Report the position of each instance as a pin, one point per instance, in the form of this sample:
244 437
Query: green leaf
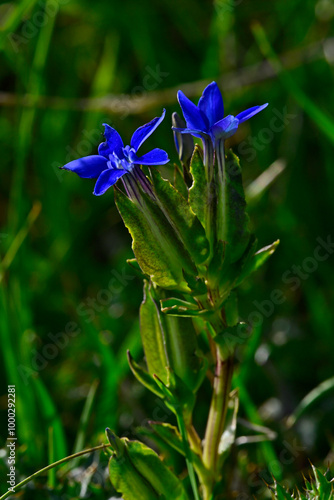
157 249
319 488
153 336
182 349
183 220
181 311
173 302
170 434
324 487
170 344
144 377
137 472
197 285
179 182
231 219
281 494
136 267
253 263
198 187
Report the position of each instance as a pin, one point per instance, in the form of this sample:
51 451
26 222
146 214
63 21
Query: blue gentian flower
114 160
207 119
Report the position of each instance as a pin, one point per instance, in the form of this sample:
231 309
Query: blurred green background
67 67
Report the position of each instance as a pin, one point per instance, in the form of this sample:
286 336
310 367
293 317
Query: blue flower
207 119
114 160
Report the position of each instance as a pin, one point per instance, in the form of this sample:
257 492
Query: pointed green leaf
183 220
182 349
170 434
197 285
170 344
198 188
144 377
173 302
136 267
258 259
324 487
153 336
231 219
313 397
159 252
179 182
138 473
182 312
281 494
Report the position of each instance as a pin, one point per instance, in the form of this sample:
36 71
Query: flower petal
143 132
107 179
224 128
195 133
155 157
211 103
192 114
113 143
248 113
89 167
184 143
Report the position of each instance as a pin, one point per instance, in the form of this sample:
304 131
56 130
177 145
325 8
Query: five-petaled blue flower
207 119
114 160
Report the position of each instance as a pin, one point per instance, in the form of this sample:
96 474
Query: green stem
191 471
209 215
51 466
221 219
217 414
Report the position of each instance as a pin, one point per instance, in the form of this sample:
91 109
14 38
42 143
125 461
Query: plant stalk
217 416
51 466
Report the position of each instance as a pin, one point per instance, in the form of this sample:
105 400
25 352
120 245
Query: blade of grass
321 119
25 127
264 181
84 420
19 239
249 353
312 398
15 18
25 410
51 457
270 458
51 466
51 417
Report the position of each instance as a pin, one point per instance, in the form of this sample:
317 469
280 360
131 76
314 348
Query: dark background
67 67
